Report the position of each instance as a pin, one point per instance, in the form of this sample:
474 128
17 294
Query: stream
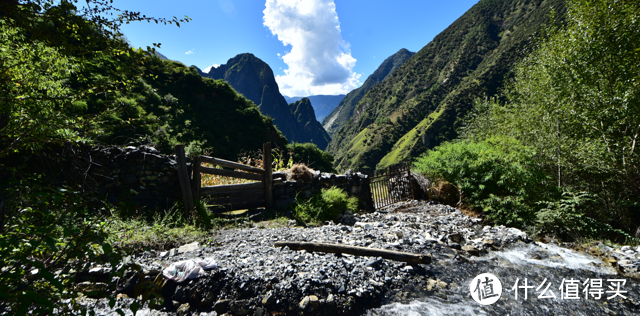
535 262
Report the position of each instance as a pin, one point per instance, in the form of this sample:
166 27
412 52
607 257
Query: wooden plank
231 173
197 180
268 177
356 251
231 187
231 164
238 206
251 192
183 177
413 195
237 199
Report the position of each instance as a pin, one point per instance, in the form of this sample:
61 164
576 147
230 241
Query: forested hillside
424 101
303 113
343 112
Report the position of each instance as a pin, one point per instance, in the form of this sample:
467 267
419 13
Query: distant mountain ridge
306 117
322 104
342 113
254 79
424 101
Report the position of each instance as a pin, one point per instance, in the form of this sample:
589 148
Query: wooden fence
232 196
391 185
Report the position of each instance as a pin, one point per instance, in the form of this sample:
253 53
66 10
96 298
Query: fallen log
356 251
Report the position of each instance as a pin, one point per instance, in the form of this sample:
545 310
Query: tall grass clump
330 204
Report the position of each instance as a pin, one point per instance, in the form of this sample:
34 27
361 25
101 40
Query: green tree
575 99
53 55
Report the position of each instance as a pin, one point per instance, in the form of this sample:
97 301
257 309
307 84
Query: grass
171 229
163 232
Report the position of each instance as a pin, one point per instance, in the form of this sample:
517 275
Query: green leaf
51 278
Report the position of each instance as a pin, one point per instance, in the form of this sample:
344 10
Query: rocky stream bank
254 278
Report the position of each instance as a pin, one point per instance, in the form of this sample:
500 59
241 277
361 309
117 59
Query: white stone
189 247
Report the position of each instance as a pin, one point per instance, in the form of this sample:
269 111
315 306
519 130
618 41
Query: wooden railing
232 196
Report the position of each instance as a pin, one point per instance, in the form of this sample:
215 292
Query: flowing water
535 262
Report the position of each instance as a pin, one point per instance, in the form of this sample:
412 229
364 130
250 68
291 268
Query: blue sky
333 45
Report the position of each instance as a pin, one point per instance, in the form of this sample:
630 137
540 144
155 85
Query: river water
535 262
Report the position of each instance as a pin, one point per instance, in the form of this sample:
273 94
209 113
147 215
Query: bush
568 218
46 234
498 176
330 204
312 156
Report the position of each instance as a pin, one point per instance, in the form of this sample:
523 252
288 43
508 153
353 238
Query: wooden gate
233 196
391 185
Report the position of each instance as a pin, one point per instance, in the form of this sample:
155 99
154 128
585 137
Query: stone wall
284 192
140 177
143 178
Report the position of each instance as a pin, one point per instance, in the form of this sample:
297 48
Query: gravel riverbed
254 278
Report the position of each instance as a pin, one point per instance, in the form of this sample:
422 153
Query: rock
331 300
183 310
259 311
471 250
221 306
304 303
314 301
430 284
194 246
239 307
92 289
456 237
268 298
207 300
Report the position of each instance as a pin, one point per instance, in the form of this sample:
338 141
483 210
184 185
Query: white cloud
206 70
320 61
190 52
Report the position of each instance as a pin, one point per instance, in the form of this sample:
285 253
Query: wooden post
183 176
197 181
268 177
413 195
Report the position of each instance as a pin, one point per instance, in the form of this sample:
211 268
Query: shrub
498 176
312 156
330 204
568 218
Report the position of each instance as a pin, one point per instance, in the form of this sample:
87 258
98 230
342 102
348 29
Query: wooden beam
232 174
237 199
183 176
237 206
197 181
243 192
268 177
356 251
231 187
231 164
413 195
